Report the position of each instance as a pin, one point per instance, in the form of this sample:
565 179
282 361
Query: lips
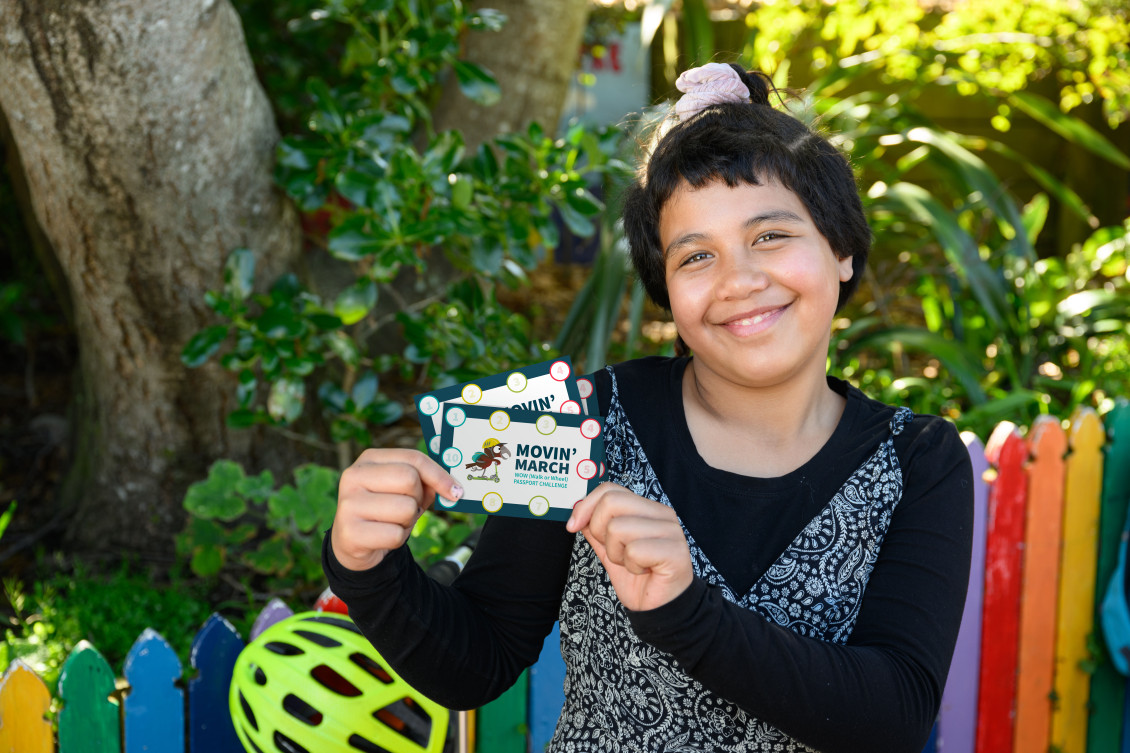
753 322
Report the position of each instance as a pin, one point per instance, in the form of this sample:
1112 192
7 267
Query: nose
741 275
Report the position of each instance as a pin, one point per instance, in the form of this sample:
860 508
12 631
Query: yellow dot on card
546 424
539 506
499 420
472 394
516 381
492 501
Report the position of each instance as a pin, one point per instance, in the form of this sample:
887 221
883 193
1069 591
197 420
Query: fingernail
456 491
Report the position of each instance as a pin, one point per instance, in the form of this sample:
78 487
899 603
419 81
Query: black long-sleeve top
464 645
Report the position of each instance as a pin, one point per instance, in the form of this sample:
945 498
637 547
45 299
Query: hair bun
757 82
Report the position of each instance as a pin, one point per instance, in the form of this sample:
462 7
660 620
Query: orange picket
1047 444
1075 620
24 702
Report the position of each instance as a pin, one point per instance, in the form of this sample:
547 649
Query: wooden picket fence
1050 505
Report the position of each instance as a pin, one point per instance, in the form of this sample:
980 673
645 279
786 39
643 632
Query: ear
847 271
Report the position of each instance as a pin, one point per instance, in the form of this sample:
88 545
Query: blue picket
547 691
154 707
213 654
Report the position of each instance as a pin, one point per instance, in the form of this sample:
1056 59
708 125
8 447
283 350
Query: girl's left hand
639 541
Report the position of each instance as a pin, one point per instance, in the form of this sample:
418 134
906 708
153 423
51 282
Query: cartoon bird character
491 457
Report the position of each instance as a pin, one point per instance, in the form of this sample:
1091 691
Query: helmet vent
248 712
286 745
336 622
260 678
360 743
285 649
330 679
247 739
301 710
407 719
322 640
369 665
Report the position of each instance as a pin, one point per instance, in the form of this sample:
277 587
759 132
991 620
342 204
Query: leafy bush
47 621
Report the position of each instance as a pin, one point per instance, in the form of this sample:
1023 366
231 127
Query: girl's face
753 284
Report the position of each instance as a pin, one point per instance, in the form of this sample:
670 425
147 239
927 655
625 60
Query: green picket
88 721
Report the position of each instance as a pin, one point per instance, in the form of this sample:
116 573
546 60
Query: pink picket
89 721
154 706
1001 611
957 719
214 650
24 702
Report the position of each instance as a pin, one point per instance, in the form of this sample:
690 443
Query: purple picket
957 720
214 650
275 611
154 706
89 721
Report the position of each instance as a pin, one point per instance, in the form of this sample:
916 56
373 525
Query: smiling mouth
754 320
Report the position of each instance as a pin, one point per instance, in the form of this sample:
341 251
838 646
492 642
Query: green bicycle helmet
312 683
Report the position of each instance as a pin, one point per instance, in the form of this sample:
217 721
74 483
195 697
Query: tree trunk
148 147
533 58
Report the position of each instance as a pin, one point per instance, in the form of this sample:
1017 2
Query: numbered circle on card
472 394
492 501
602 470
452 457
560 371
429 405
456 416
546 424
499 420
586 469
590 429
584 386
570 406
433 444
516 381
539 506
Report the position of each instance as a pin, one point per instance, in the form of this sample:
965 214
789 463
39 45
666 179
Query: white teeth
755 320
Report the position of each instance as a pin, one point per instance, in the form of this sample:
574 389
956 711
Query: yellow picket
1075 621
24 702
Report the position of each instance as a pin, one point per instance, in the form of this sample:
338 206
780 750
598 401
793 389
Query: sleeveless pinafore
621 694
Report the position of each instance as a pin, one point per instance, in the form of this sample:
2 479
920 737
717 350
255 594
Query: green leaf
958 361
239 274
288 395
477 84
1035 215
578 224
6 518
202 345
355 302
1069 127
271 558
258 487
318 486
365 390
352 240
207 562
217 496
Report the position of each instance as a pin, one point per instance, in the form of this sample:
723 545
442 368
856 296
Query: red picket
154 706
89 721
1001 612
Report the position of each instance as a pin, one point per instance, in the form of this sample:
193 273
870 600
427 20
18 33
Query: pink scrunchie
707 85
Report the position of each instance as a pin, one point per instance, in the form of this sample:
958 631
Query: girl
777 562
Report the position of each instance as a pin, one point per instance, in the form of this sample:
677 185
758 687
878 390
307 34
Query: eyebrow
773 215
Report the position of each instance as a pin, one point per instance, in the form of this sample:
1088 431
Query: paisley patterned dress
622 694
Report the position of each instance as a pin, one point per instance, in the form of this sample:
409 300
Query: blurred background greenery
991 150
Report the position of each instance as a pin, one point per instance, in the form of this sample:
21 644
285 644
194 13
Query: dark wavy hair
746 143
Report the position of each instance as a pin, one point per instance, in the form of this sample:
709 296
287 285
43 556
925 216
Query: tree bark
533 59
148 147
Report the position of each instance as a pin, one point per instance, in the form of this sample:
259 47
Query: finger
364 544
583 510
622 532
398 509
618 503
430 473
655 556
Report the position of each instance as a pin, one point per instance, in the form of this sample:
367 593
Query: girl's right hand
380 497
